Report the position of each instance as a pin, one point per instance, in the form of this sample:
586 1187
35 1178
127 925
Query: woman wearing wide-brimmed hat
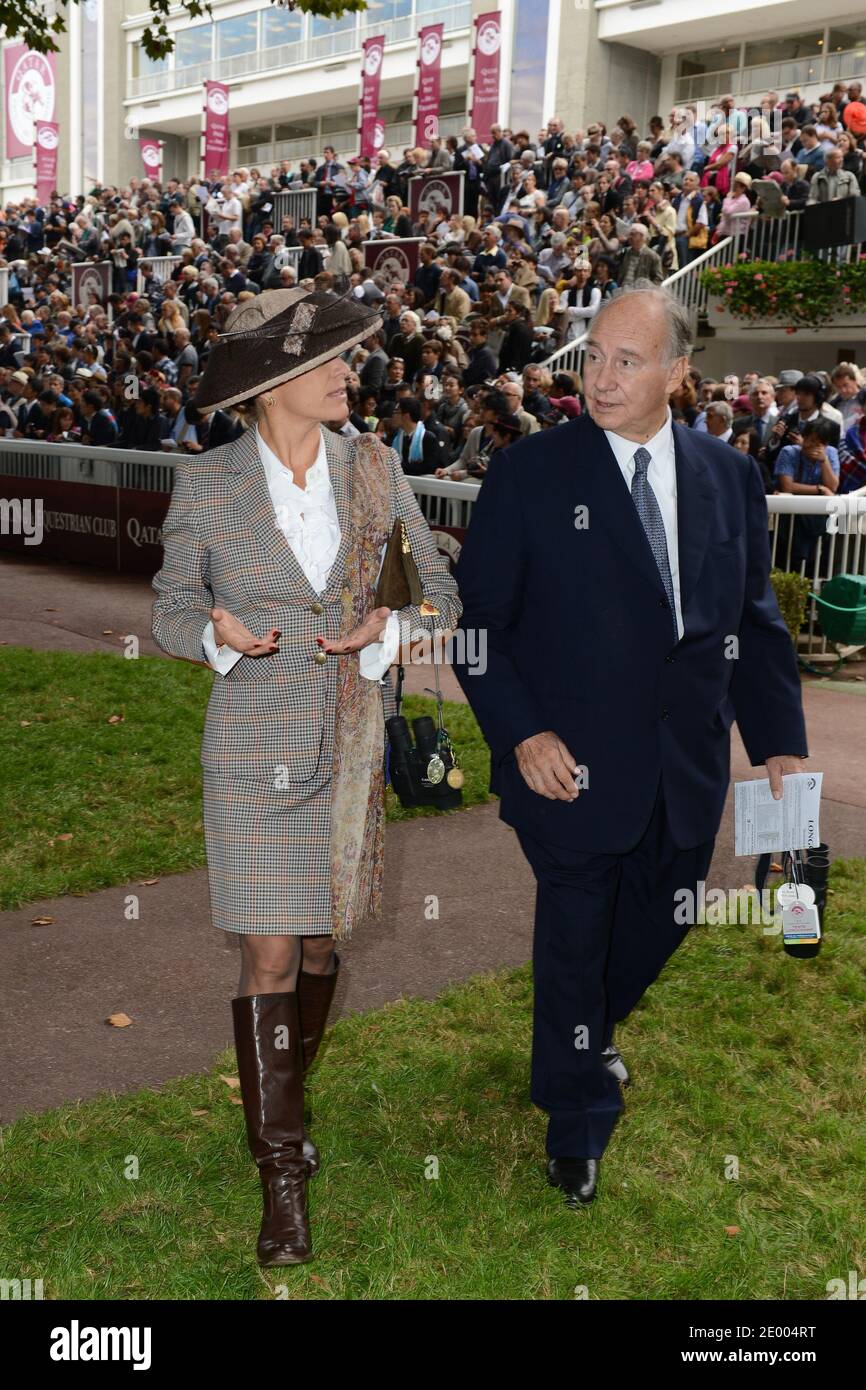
273 546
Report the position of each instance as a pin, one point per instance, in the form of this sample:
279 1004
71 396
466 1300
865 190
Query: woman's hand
370 630
230 630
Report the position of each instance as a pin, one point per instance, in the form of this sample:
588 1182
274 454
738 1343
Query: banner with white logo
31 95
436 192
484 104
371 130
428 80
215 131
91 279
396 258
151 157
45 153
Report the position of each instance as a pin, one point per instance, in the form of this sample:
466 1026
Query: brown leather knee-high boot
315 994
271 1072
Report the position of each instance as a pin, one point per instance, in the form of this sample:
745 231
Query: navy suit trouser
604 929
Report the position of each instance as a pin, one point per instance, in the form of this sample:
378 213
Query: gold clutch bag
399 582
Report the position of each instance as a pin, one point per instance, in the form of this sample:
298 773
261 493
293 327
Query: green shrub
792 593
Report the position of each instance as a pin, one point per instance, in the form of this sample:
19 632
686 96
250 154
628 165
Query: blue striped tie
651 519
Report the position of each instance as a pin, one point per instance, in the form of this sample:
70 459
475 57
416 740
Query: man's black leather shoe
612 1059
577 1177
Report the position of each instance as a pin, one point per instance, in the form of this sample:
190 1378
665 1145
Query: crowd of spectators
551 227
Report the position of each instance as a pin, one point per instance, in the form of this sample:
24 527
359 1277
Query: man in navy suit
617 569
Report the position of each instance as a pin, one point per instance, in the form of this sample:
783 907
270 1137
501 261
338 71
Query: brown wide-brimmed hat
279 335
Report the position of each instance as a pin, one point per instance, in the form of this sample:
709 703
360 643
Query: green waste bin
842 609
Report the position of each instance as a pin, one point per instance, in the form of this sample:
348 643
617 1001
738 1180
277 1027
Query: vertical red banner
429 81
215 153
45 155
371 130
151 157
486 49
30 95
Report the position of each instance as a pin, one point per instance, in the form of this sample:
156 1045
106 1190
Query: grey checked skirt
269 856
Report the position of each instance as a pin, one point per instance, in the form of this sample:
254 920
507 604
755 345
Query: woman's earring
270 400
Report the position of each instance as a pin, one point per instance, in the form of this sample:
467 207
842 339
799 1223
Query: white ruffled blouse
308 519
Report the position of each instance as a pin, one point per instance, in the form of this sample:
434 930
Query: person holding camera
273 550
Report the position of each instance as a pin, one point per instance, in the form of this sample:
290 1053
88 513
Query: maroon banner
91 277
436 191
88 523
151 157
394 257
427 90
487 43
215 134
31 94
371 130
45 155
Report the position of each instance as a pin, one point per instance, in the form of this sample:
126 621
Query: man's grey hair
722 409
677 320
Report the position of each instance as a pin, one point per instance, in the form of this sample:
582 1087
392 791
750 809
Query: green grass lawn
86 803
737 1051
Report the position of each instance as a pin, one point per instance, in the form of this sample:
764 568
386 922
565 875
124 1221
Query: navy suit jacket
579 636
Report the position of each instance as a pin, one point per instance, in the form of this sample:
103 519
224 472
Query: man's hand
230 630
777 767
547 766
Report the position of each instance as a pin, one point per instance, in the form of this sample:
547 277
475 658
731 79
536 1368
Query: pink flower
729 291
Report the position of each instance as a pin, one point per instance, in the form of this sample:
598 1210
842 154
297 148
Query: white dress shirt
308 519
662 478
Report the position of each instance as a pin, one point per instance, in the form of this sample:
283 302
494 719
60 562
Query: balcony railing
814 70
344 141
340 43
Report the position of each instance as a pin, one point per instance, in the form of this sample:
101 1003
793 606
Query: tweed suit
269 730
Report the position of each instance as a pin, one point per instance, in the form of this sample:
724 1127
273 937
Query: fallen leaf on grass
732 1230
41 921
230 1080
119 1020
25 723
236 1100
67 835
200 1112
116 718
147 882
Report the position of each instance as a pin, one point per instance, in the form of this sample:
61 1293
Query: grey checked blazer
224 549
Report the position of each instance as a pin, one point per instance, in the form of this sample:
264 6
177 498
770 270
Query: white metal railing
335 44
751 81
448 503
294 202
685 284
162 269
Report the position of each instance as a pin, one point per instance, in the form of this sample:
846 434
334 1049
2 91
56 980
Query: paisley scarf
358 781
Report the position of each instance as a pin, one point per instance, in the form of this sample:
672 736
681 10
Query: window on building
385 10
142 66
295 130
785 48
254 135
193 46
339 121
323 25
281 26
850 39
238 35
708 60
